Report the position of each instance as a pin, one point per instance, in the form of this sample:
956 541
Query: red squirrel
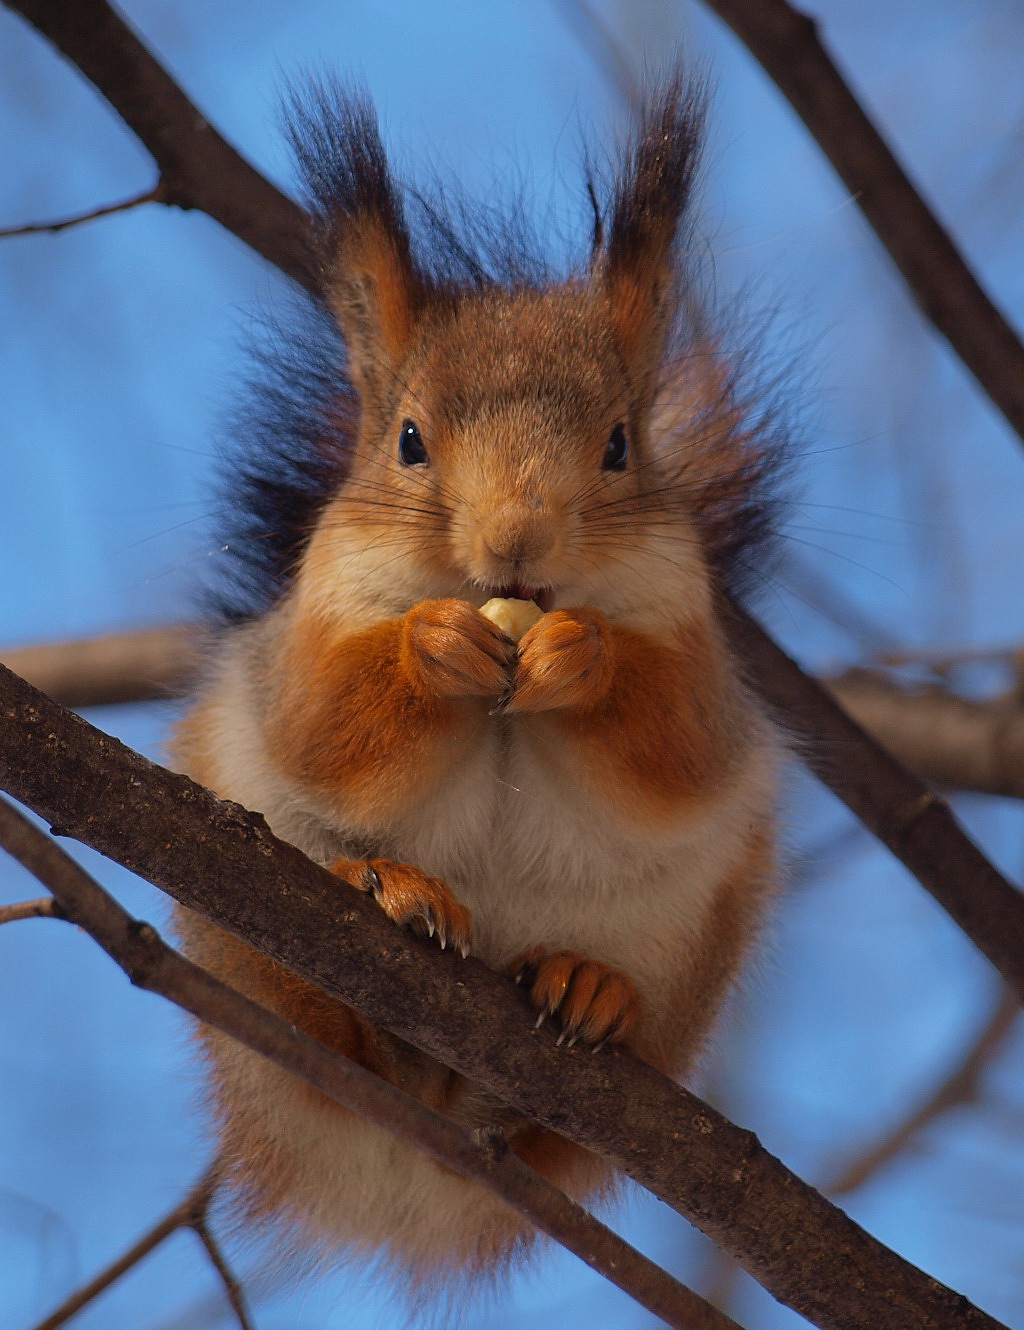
589 809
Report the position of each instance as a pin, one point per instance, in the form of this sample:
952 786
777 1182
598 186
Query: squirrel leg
594 1002
409 897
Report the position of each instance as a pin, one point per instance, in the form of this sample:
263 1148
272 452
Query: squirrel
590 809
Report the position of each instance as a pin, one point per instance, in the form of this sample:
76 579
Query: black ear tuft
370 279
650 200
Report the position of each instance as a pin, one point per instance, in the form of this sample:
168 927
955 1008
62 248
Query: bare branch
215 857
183 1215
911 819
198 168
232 1288
152 965
153 195
960 1087
122 667
37 909
949 740
786 43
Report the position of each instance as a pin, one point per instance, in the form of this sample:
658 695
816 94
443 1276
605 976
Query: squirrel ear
637 268
370 281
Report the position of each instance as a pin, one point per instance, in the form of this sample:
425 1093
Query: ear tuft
638 266
370 280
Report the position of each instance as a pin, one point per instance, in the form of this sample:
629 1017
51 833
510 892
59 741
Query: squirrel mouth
543 597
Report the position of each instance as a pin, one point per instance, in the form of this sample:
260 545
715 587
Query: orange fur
596 801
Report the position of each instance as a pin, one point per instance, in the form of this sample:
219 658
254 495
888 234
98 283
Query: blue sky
121 355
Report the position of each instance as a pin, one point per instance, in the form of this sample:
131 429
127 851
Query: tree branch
38 909
215 857
138 666
786 43
155 194
198 168
952 742
182 1215
911 819
152 965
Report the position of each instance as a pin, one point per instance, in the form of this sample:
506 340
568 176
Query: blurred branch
593 33
960 1087
138 666
786 43
152 195
223 861
949 740
37 909
482 1157
198 168
189 1213
912 820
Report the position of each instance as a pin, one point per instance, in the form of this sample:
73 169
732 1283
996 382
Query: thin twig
232 1288
215 857
198 167
960 1087
153 195
152 965
42 908
183 1215
786 43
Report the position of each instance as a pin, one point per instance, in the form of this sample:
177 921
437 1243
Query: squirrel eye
411 451
617 451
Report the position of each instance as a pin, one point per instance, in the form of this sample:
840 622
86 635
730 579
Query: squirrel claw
594 1003
410 897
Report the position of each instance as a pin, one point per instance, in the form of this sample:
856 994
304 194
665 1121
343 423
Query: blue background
121 351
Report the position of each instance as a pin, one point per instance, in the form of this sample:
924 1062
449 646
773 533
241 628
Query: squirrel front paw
409 897
453 651
592 1001
564 661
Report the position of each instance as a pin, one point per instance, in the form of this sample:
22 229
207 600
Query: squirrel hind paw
594 1003
411 898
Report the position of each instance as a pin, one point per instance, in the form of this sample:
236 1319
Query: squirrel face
509 457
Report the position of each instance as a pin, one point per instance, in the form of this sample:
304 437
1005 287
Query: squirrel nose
519 533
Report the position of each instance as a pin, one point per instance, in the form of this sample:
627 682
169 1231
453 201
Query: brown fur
595 802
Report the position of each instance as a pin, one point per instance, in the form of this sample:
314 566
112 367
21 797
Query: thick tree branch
904 813
152 965
198 168
785 41
215 857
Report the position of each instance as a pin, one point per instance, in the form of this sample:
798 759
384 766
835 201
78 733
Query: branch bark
152 965
785 42
215 857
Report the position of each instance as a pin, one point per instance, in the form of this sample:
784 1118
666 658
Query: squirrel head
503 433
